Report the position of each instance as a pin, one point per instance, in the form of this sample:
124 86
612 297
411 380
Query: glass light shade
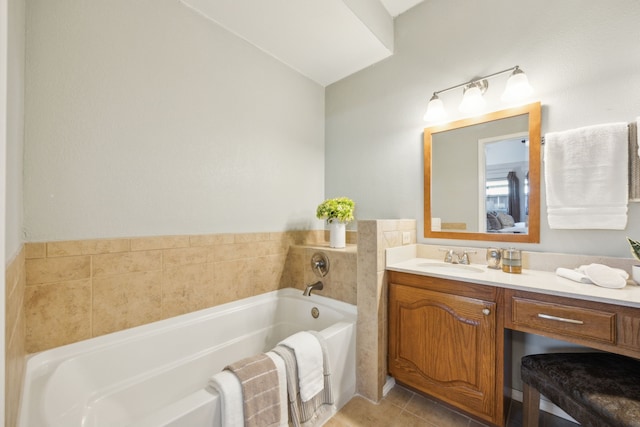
518 87
472 100
435 110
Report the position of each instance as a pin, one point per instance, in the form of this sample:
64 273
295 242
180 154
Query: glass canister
512 261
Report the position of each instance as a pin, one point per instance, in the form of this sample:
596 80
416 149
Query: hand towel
282 387
260 394
621 272
586 176
604 276
309 363
227 386
574 275
580 275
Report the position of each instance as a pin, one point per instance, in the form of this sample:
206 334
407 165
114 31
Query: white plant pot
337 234
635 273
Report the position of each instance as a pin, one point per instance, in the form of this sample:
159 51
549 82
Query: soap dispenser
493 258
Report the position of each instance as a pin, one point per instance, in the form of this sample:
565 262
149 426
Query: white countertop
545 282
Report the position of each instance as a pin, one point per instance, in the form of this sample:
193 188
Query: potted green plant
635 251
337 212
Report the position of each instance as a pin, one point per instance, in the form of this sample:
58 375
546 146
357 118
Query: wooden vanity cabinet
446 340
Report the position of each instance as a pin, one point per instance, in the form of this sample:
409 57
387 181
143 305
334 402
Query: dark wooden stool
596 389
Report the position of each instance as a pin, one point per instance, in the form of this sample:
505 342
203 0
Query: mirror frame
533 236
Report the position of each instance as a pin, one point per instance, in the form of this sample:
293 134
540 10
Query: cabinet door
444 345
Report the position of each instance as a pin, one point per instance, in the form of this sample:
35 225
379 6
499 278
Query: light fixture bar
472 100
476 80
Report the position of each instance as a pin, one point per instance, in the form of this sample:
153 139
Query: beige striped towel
260 390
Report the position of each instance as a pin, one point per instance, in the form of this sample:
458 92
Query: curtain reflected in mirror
514 196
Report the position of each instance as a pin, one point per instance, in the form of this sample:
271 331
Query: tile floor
403 407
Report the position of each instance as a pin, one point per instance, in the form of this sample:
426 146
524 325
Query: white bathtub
155 375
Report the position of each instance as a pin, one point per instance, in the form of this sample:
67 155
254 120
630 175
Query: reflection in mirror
503 168
482 177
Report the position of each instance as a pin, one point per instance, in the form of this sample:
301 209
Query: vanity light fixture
518 86
472 101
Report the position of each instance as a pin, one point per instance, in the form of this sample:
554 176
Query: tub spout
316 286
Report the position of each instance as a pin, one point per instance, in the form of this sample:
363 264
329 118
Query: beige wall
144 118
374 237
81 289
15 332
340 281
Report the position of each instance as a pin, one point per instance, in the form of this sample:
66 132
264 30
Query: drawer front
565 320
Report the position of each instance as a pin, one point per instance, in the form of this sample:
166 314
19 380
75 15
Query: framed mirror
482 177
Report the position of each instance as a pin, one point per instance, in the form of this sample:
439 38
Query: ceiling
325 40
396 7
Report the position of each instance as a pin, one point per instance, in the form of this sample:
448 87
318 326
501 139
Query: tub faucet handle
320 264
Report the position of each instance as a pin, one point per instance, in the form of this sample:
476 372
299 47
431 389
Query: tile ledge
350 248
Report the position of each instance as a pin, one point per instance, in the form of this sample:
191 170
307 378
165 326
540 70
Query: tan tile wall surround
374 236
81 289
15 331
340 282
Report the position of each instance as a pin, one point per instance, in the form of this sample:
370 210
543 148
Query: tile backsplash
76 290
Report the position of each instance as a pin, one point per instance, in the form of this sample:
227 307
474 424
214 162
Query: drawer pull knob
560 319
486 311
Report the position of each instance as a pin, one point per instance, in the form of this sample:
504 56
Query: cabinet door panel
444 345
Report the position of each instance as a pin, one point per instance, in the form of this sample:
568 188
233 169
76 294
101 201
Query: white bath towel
309 413
586 174
634 162
228 387
308 354
282 383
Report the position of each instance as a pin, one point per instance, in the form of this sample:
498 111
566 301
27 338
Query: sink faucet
315 286
448 257
454 257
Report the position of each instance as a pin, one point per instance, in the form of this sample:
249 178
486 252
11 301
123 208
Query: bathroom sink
452 268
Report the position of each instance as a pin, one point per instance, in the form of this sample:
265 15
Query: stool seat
596 389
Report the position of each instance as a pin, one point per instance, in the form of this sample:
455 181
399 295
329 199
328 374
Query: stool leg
530 406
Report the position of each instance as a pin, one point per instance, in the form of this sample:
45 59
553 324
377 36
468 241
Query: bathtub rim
159 326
